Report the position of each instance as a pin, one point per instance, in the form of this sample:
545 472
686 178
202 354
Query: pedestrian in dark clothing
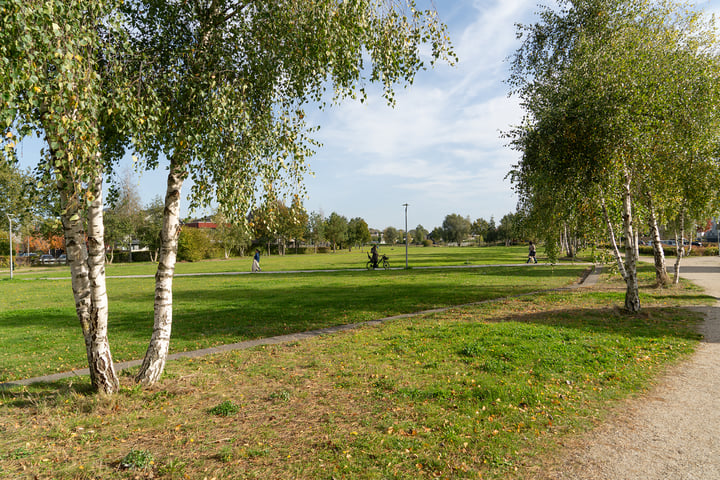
531 253
256 261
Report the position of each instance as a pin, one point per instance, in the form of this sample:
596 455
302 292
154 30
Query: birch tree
60 80
606 88
233 78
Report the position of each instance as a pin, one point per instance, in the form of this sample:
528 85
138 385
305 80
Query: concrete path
673 432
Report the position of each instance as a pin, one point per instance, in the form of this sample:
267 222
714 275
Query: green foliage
193 245
149 230
456 228
390 235
358 232
137 460
225 409
335 229
618 130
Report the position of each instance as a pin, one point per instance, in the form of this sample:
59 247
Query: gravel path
673 432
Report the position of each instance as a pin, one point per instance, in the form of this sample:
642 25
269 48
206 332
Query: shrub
193 245
427 243
710 251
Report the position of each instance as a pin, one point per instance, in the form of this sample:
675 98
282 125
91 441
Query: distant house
711 231
201 224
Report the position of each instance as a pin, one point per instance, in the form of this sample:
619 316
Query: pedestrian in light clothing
531 253
256 261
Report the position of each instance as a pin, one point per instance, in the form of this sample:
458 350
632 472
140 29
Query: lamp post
406 237
11 245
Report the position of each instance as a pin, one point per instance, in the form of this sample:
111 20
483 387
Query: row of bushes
670 251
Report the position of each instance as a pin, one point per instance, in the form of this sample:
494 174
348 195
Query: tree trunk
87 266
611 232
679 248
156 355
632 293
661 276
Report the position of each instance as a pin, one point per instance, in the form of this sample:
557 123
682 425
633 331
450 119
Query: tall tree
391 235
316 228
124 216
420 234
149 231
456 228
62 76
18 200
233 77
437 235
607 94
358 232
509 228
480 228
335 228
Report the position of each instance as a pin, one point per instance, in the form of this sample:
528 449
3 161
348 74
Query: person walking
531 253
256 262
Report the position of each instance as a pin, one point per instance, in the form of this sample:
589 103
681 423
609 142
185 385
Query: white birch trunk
661 276
632 292
679 248
87 267
156 355
611 232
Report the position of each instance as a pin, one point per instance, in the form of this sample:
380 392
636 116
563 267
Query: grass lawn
484 391
481 391
40 334
342 259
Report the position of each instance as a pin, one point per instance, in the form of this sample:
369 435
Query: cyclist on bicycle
374 251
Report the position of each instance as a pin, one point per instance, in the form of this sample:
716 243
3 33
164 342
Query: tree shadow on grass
42 394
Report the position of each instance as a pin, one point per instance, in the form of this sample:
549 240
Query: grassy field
417 257
40 334
482 391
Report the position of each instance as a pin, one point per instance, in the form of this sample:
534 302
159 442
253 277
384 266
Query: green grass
342 259
484 391
40 334
488 390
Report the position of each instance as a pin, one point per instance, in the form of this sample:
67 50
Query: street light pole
406 237
11 246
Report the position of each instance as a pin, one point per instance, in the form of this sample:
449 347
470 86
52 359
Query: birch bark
87 267
661 276
632 294
156 354
611 232
679 248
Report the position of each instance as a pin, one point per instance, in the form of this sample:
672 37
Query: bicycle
383 261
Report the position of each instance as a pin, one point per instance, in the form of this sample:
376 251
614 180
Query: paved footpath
673 431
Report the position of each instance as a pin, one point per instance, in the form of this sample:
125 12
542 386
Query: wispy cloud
442 140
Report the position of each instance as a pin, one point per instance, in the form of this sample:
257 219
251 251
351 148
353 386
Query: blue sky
439 150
